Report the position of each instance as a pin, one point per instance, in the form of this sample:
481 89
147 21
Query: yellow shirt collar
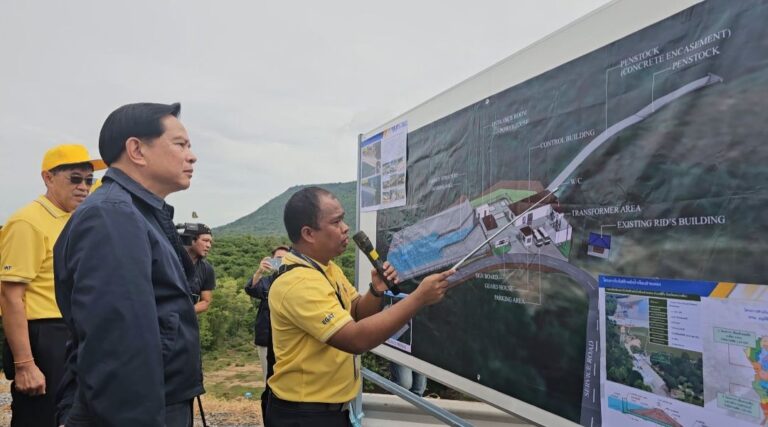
298 260
50 207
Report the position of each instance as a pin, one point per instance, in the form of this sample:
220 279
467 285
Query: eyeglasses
77 180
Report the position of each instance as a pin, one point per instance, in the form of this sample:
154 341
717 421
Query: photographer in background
258 287
198 239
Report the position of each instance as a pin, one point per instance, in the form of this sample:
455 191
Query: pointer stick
474 251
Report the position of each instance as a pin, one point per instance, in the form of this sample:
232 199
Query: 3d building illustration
446 237
599 245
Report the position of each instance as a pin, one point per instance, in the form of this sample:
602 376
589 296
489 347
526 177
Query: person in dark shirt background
258 287
198 239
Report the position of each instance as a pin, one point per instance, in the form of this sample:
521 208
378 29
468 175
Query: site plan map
645 158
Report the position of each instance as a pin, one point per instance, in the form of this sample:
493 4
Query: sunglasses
77 180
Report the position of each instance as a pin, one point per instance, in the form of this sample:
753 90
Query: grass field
232 374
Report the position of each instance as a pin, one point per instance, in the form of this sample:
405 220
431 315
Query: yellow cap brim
98 164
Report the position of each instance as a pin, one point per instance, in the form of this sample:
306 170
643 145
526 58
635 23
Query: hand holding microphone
379 281
387 273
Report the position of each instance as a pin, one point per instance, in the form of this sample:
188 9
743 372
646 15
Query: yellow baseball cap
68 154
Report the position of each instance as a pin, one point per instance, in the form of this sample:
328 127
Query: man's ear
308 234
133 151
47 178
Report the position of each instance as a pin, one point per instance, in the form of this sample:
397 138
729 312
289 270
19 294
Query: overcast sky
273 94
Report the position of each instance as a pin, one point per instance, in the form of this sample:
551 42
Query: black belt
306 406
52 321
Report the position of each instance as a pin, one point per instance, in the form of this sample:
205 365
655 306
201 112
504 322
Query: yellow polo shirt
26 254
305 312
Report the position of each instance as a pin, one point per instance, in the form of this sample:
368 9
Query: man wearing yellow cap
34 351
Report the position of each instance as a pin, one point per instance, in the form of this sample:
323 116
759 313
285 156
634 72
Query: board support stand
415 400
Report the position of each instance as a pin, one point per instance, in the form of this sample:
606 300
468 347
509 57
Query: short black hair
195 237
190 231
142 120
280 248
303 209
71 166
196 230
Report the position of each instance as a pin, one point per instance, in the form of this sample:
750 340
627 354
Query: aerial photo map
646 158
684 353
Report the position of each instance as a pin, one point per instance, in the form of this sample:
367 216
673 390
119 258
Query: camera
275 263
189 230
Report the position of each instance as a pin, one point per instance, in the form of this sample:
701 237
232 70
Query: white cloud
273 94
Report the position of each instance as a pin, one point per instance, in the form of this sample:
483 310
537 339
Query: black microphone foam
366 247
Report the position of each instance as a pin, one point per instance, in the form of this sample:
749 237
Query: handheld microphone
364 244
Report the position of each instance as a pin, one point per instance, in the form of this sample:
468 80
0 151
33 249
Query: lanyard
318 268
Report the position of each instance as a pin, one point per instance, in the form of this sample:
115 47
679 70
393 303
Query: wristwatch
377 294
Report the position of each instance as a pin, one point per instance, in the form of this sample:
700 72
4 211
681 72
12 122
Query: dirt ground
227 383
5 401
238 412
221 407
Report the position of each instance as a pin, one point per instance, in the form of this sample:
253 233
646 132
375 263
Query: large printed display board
644 158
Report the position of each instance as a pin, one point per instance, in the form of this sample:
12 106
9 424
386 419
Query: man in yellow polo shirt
34 350
320 322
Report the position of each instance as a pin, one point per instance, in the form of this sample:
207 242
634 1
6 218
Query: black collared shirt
204 278
260 290
122 287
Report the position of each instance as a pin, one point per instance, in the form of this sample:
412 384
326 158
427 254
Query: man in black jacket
258 287
122 282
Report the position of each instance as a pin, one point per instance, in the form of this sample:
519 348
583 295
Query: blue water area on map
622 406
425 250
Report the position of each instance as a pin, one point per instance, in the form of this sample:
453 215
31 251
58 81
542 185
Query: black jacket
121 285
260 290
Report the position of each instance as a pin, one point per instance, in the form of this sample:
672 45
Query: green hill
268 219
